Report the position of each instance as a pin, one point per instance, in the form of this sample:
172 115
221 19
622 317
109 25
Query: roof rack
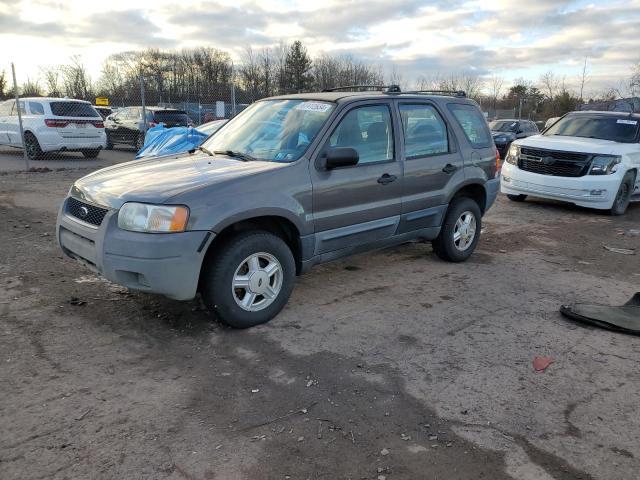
453 93
395 89
365 88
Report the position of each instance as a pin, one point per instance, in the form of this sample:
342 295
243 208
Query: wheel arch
474 190
275 224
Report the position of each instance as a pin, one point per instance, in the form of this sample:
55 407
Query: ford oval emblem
84 211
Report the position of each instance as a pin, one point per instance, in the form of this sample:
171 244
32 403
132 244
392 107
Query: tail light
98 124
498 163
152 124
53 123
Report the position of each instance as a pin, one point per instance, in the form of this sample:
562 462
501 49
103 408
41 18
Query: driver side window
369 131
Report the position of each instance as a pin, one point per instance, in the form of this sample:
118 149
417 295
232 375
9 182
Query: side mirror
341 157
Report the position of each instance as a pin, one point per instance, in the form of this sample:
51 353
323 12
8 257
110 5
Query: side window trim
450 141
338 120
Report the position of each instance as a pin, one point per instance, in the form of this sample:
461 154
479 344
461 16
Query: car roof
605 114
509 120
52 99
342 96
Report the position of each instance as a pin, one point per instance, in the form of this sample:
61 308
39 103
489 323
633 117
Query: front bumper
168 264
592 191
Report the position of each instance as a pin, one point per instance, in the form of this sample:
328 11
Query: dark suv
506 131
291 182
127 127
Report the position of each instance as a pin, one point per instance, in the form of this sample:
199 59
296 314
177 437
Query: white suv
591 159
52 125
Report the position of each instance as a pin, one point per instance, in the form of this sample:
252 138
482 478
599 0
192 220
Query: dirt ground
389 365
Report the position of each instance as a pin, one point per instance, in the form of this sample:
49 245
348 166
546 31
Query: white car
591 159
52 125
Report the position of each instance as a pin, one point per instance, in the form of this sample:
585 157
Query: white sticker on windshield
628 122
313 107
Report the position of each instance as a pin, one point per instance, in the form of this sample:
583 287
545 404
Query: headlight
604 165
513 154
142 217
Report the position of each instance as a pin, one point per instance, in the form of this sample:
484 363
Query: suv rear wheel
516 198
623 197
460 231
250 279
32 147
91 153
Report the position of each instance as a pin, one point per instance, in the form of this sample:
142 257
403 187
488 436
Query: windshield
502 126
615 129
273 130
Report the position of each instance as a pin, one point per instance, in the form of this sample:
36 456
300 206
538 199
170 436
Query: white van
591 159
52 125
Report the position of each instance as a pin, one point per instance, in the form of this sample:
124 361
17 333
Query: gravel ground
389 365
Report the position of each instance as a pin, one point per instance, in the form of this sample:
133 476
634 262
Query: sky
508 38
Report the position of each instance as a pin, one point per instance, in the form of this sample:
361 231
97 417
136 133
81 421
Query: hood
156 180
496 133
575 144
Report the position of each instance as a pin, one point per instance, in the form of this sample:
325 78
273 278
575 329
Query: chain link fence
66 118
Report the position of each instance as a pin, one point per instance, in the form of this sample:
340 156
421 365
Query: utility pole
15 91
144 109
233 91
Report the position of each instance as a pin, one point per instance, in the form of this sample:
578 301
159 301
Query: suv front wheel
623 197
249 279
460 231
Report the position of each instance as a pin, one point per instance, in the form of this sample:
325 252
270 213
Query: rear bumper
54 142
596 191
167 264
492 188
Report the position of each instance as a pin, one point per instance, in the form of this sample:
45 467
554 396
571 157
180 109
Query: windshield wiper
234 154
202 149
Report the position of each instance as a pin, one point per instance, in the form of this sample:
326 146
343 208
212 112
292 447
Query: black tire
139 141
445 245
91 153
623 197
32 147
218 275
109 145
516 198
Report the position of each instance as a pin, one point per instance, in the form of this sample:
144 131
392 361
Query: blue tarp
166 141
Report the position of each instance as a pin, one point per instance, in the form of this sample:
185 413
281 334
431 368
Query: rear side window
36 108
425 132
171 117
368 130
73 109
473 124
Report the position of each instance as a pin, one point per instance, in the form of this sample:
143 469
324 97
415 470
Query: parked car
125 126
103 111
52 125
345 172
591 159
506 131
160 141
551 121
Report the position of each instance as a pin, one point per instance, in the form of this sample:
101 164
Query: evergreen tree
297 68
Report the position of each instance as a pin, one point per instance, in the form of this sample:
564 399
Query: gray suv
291 182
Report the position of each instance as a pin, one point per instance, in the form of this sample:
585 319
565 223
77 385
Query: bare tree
3 83
471 84
77 83
634 83
395 77
31 89
51 77
550 84
584 78
496 83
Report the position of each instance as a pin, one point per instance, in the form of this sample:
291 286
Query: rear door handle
386 178
448 168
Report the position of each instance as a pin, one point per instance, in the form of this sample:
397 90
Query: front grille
86 212
552 162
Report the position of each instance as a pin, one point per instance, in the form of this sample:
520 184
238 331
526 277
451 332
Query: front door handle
386 178
448 168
